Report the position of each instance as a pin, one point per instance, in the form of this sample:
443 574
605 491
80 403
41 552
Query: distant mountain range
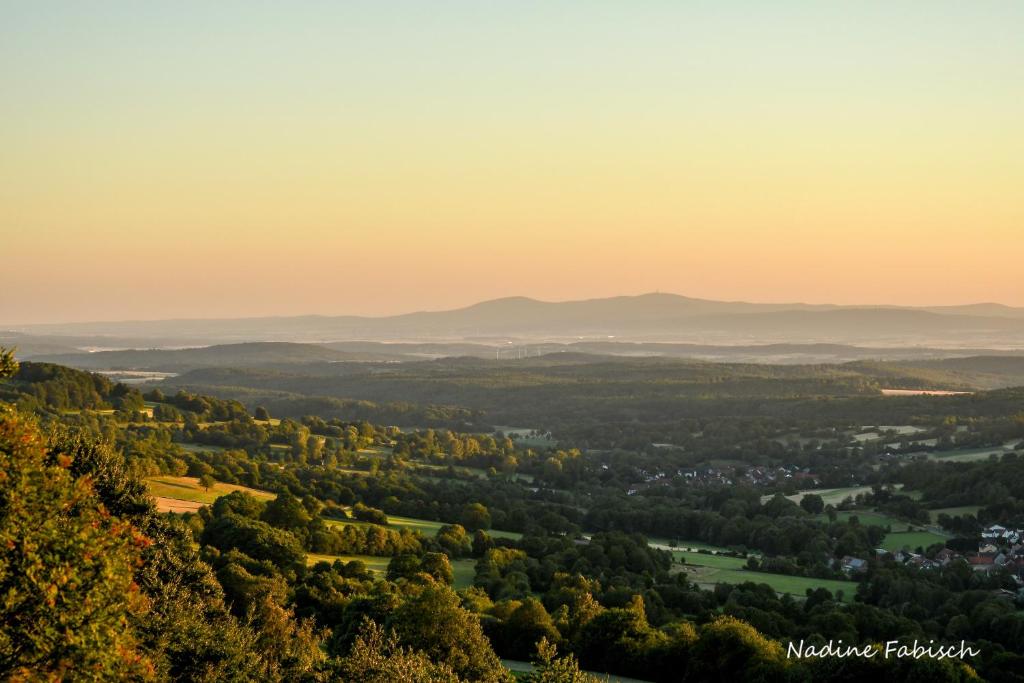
648 317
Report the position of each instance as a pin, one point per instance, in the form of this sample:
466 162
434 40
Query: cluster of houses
1000 548
757 476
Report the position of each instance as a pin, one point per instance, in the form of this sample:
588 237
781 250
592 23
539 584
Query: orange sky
198 162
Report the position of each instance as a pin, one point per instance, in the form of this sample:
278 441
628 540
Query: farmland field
188 489
707 577
707 560
911 540
707 570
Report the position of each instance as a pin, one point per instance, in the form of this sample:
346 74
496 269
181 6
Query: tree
207 481
261 413
812 503
528 625
66 569
378 657
549 668
438 567
475 516
8 366
732 650
364 513
434 622
454 540
286 512
256 539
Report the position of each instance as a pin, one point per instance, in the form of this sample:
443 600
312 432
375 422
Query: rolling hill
650 317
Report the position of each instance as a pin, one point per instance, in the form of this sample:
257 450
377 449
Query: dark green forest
641 521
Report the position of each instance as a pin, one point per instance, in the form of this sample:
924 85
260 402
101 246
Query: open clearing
708 577
188 489
708 560
708 570
176 506
911 540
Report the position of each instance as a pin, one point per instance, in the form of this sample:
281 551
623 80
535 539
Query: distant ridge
655 316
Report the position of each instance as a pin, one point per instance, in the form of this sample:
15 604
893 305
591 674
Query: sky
229 159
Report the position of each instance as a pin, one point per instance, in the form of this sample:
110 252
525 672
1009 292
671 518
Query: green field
706 560
188 488
465 572
780 583
911 540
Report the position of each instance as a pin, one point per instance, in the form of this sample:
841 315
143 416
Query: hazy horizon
868 305
196 161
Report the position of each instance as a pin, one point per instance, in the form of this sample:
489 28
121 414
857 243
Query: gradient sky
198 159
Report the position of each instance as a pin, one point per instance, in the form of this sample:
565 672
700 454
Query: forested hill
572 386
224 355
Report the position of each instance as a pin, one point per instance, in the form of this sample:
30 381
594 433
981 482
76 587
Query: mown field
707 560
911 540
708 570
188 488
708 577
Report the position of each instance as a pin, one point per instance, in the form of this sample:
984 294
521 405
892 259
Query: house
945 556
982 562
853 565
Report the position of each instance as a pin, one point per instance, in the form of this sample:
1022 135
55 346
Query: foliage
67 588
549 668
